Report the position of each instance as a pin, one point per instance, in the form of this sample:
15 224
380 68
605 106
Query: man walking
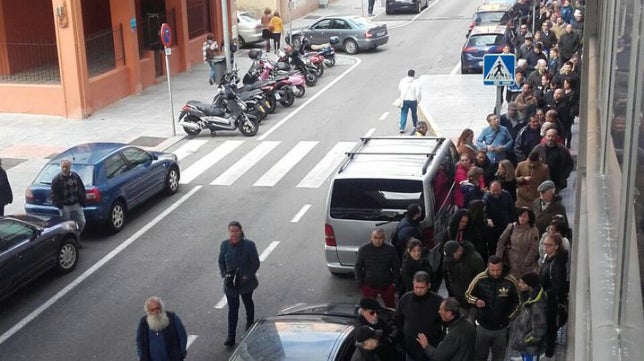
209 50
161 335
417 314
68 194
6 195
409 90
460 337
495 294
377 268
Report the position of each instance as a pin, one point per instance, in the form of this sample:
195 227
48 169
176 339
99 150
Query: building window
198 17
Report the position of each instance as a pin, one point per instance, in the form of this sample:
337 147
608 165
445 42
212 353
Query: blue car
117 178
486 39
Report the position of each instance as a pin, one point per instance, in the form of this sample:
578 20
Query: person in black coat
160 334
369 315
377 268
413 261
553 279
460 337
500 211
6 195
409 227
238 265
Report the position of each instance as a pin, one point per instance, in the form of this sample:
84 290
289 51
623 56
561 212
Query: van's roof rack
364 140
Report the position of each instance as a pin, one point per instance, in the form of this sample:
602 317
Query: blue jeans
406 107
212 69
75 213
528 357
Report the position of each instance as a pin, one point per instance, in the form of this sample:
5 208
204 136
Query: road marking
245 163
190 147
384 116
191 339
456 69
301 213
326 166
369 132
285 164
271 247
98 265
315 96
209 160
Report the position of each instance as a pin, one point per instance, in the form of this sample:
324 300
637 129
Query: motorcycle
266 70
288 58
327 52
258 75
227 114
256 103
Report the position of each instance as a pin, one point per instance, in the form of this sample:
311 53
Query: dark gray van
379 179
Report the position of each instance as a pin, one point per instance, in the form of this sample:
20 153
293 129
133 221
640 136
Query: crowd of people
505 258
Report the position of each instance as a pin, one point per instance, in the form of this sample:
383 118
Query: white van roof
391 157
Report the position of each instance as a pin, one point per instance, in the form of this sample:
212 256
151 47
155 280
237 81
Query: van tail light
329 235
500 48
93 195
29 196
470 49
428 233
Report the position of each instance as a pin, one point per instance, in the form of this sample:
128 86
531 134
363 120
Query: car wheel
116 216
418 7
350 46
241 42
67 256
172 181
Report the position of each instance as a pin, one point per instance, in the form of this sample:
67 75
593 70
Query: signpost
498 69
166 39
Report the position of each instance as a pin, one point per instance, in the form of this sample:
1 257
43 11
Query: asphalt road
170 247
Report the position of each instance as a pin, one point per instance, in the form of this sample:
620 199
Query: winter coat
519 245
409 267
501 296
419 314
508 185
544 217
58 197
377 267
528 332
406 229
242 260
527 190
461 176
489 170
553 277
360 354
458 344
468 193
460 273
559 161
500 210
498 138
175 340
525 142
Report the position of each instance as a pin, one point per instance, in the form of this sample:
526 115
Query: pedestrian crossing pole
165 33
499 100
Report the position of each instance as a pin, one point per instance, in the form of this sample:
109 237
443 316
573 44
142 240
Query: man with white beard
161 335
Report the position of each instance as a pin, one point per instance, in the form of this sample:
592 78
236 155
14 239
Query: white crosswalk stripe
285 164
189 148
245 163
326 166
200 166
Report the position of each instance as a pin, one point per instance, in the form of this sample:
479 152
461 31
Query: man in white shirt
410 94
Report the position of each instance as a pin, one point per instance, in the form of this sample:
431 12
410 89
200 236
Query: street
274 184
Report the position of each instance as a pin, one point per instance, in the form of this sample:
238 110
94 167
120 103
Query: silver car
356 33
249 30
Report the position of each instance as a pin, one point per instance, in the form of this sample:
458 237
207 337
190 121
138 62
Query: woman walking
266 32
238 265
276 27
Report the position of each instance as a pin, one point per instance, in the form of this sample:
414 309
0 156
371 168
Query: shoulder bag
399 101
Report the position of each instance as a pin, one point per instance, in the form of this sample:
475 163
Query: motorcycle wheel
310 78
272 103
248 124
288 98
319 69
254 110
329 62
299 91
192 119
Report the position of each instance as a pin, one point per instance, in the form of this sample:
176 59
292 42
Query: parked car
249 30
356 33
491 14
322 332
31 245
487 39
117 178
415 6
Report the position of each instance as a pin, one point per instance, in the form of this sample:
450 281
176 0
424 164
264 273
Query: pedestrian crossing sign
498 69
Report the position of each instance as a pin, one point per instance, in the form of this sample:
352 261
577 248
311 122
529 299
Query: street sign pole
166 39
499 100
498 70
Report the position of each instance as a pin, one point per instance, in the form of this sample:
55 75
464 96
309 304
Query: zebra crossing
291 156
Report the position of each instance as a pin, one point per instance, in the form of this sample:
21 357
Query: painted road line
326 166
456 69
262 257
189 148
369 132
384 116
245 163
285 164
98 265
209 160
315 96
191 339
301 213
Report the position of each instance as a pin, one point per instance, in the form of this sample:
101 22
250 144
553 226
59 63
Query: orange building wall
33 99
107 88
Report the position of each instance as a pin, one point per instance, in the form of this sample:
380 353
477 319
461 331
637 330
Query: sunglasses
371 312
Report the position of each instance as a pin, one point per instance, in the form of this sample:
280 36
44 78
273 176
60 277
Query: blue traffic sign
498 69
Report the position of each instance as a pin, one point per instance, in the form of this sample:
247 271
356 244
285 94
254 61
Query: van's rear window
374 199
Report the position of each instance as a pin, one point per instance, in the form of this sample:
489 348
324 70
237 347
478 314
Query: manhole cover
148 141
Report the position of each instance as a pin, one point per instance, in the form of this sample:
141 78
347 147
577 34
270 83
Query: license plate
381 33
277 96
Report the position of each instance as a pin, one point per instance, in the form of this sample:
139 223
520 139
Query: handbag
397 103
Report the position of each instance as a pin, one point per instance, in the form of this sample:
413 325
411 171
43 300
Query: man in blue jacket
161 335
495 139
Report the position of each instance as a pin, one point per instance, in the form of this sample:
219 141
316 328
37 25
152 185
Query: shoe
402 131
248 325
211 81
229 341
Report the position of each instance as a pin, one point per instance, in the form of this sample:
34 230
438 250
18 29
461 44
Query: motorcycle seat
208 109
320 47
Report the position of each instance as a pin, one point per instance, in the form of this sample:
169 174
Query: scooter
228 114
327 52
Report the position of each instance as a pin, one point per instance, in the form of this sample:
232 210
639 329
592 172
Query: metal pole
499 100
226 31
167 52
290 22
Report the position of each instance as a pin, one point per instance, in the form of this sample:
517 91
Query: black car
322 332
31 245
415 6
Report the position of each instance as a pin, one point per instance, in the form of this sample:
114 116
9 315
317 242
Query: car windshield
245 19
374 199
290 340
489 17
50 170
363 23
486 40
